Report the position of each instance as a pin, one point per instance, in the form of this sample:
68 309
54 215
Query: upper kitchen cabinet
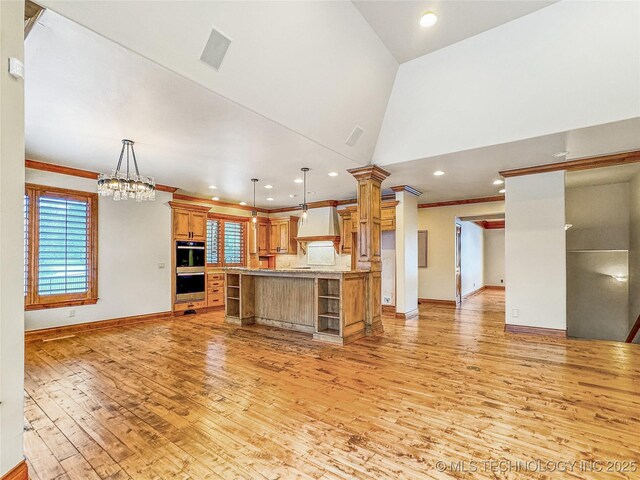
282 235
263 237
189 222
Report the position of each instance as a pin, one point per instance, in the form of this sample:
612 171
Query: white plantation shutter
61 251
213 241
233 243
63 240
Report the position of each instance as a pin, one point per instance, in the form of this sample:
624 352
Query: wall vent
354 136
215 49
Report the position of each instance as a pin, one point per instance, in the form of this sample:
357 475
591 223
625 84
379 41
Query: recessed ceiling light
298 180
560 154
215 198
498 182
213 187
438 173
268 186
333 174
501 191
428 19
292 196
243 203
567 226
270 199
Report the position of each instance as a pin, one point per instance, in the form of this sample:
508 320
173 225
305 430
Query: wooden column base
19 472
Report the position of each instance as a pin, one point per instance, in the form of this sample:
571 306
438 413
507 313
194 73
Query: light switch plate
515 313
16 68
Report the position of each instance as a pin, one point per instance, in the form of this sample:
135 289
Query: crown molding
577 164
466 201
406 188
77 172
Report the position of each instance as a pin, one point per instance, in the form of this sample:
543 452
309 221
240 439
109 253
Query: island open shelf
330 305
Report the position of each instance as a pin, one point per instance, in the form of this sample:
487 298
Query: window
60 247
226 241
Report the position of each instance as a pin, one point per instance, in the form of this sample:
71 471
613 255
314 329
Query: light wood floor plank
195 398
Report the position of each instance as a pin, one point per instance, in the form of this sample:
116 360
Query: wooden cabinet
215 289
263 238
282 235
189 225
388 216
349 226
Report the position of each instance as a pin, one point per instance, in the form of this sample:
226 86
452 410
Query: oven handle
181 247
189 274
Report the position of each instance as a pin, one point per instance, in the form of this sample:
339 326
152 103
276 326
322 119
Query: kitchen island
329 304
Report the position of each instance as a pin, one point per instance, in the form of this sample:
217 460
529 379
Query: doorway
458 264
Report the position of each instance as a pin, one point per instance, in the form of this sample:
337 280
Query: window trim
222 218
32 300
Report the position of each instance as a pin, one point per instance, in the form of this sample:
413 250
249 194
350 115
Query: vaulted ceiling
296 80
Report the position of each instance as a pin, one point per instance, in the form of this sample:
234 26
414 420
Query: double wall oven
190 271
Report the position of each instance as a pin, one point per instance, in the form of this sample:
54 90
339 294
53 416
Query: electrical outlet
72 313
502 280
387 300
515 313
161 265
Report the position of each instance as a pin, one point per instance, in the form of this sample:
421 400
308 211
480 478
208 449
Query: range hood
321 224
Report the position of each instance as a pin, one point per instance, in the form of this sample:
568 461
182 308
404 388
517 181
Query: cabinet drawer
181 307
388 224
216 276
219 290
215 283
215 300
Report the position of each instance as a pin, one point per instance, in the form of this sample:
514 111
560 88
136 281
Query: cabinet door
181 222
198 221
284 237
346 234
263 238
274 237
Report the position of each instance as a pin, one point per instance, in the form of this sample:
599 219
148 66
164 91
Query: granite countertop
290 270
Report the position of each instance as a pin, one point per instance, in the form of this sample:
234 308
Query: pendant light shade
254 212
123 184
304 205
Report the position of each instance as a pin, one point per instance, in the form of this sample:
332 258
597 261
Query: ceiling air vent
354 136
215 49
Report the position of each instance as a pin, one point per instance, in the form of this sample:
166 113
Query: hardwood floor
195 398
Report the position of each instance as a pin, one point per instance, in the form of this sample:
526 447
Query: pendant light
254 212
122 185
304 205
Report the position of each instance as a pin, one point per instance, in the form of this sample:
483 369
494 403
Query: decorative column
369 238
406 252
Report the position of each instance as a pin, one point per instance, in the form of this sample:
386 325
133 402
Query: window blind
233 243
26 243
63 236
213 241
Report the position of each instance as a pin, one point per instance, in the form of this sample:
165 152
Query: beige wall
437 281
494 257
406 253
472 257
11 238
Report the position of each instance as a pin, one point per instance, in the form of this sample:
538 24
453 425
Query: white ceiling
84 93
314 67
396 22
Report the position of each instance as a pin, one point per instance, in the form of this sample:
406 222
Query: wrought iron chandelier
123 184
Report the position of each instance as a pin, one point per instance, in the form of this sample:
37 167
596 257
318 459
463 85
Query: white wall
570 65
634 251
437 281
11 238
494 257
388 256
535 251
406 252
133 239
471 257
